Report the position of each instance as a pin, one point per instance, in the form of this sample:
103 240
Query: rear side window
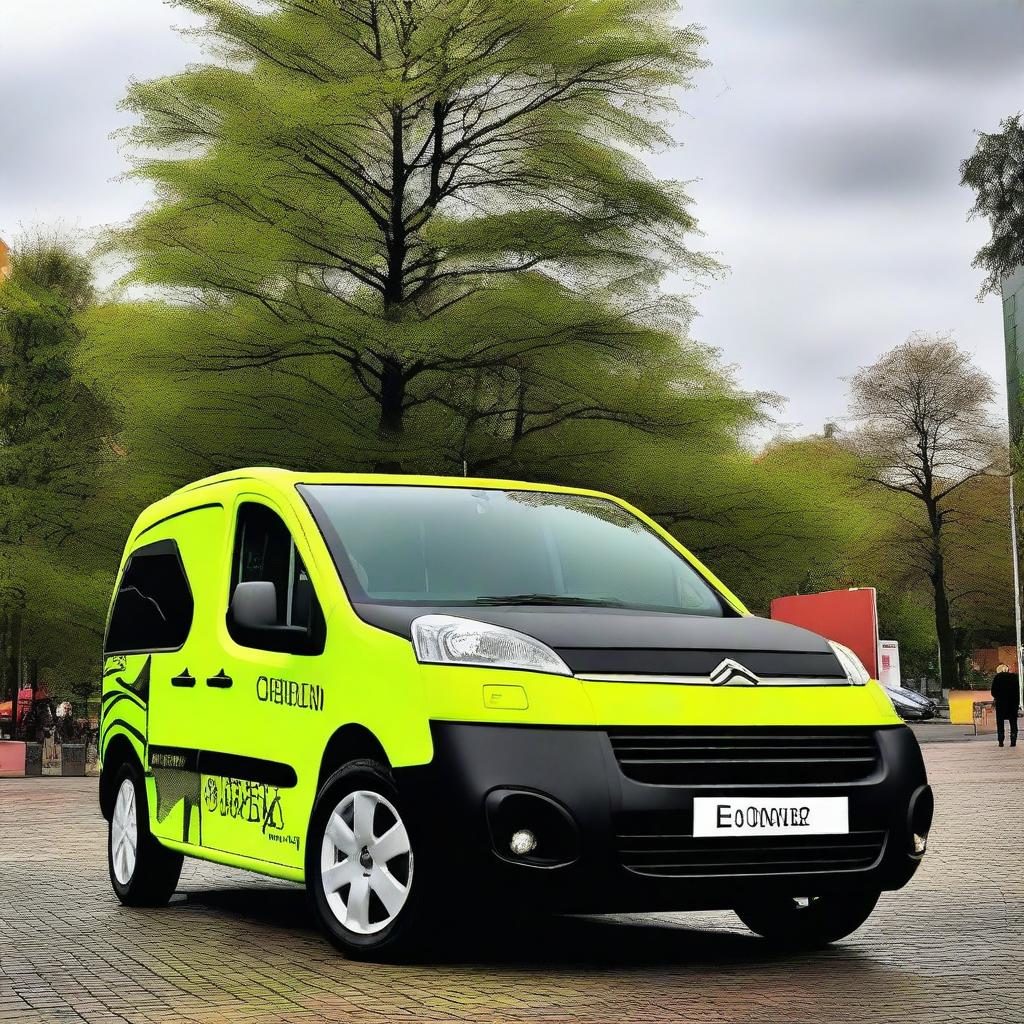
153 608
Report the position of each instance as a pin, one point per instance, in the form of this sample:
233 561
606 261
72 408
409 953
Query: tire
147 875
809 923
366 869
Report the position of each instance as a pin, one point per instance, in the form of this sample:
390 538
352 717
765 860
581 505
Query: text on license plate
789 816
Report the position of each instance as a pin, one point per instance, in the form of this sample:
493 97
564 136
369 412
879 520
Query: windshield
436 546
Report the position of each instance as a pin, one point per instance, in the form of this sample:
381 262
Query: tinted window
153 607
452 545
264 550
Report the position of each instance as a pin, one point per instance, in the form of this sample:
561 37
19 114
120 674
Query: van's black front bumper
567 785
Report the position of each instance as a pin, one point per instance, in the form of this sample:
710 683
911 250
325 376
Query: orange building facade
987 659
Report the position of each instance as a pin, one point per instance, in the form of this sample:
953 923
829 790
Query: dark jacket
1006 692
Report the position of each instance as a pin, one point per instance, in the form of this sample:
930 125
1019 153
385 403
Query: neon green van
404 691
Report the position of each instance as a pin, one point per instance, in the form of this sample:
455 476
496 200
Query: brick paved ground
235 947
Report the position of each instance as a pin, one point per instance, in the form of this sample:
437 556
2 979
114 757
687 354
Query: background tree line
420 235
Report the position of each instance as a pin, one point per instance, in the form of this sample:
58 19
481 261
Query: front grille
672 661
670 856
744 756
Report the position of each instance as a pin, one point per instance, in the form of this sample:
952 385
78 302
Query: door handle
184 679
219 681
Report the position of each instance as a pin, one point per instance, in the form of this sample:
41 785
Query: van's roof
283 480
289 478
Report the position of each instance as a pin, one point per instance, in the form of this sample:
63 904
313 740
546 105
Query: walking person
1006 694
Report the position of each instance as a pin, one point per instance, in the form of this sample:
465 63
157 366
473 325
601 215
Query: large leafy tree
51 421
413 202
56 439
925 430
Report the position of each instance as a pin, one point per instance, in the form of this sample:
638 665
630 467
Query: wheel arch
120 750
349 743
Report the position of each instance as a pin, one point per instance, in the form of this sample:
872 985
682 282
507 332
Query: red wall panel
849 617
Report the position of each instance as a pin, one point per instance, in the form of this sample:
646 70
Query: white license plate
753 816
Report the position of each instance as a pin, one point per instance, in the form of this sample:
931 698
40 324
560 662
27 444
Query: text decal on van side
290 693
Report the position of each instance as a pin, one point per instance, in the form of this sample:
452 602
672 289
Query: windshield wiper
590 602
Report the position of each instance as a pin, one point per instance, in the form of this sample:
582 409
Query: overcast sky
823 144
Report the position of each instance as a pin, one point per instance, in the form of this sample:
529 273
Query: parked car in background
910 705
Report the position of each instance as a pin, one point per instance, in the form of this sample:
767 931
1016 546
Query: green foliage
815 530
410 201
995 172
56 442
907 615
981 564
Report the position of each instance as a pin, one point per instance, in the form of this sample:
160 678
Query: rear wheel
362 874
142 872
809 922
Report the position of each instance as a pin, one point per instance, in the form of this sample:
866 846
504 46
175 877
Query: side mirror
254 605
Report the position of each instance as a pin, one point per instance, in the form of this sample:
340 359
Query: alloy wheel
124 833
366 862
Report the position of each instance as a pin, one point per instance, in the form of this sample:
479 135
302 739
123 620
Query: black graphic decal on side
115 663
124 725
245 801
176 774
252 802
136 692
140 686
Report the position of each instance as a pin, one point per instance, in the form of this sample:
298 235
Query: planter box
33 759
961 705
72 759
12 759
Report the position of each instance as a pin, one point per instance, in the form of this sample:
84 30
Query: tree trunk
393 379
948 668
16 669
520 420
392 400
394 286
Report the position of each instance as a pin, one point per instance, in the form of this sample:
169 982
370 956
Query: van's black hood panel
613 640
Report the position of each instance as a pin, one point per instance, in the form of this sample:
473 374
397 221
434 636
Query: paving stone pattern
237 947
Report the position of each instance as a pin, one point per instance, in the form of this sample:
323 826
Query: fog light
920 843
523 842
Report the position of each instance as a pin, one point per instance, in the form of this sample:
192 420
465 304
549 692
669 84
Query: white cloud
64 67
825 142
47 29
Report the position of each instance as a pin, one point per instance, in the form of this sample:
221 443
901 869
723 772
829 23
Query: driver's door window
265 551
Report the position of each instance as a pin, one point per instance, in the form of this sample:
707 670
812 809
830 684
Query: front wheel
142 872
364 878
808 922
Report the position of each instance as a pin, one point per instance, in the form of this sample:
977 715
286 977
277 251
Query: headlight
852 665
450 640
